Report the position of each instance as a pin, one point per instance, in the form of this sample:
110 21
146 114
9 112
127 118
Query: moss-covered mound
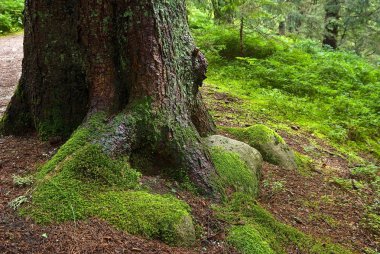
82 181
234 175
247 240
271 145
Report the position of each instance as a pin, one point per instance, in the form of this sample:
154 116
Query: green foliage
347 184
243 209
223 41
274 187
23 180
371 219
247 240
367 173
11 15
334 94
232 173
17 202
304 163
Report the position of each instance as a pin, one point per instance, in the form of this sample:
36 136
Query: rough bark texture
134 56
332 8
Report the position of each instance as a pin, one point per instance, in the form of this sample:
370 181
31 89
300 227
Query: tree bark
241 36
282 28
332 9
86 56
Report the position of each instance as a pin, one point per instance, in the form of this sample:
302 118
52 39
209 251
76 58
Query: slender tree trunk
332 9
132 58
242 36
282 28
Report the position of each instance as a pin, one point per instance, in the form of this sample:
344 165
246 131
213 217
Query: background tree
332 16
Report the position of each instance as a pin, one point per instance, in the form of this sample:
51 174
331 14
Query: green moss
255 135
304 163
233 173
371 221
247 240
260 137
88 183
79 138
145 214
91 164
244 209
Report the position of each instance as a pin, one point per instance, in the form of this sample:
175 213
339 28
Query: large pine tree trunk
131 56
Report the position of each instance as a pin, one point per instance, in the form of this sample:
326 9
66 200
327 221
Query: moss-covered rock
247 153
247 240
271 146
153 216
237 164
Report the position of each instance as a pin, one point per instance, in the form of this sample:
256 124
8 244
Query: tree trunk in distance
282 28
132 58
242 36
332 8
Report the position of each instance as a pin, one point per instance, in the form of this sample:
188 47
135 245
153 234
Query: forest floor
313 199
312 202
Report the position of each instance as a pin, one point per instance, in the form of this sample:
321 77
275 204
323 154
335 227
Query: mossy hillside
247 240
233 174
244 209
88 183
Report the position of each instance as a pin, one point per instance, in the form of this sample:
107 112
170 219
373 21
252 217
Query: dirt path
11 53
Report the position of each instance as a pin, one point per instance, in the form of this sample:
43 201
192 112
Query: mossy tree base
134 60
